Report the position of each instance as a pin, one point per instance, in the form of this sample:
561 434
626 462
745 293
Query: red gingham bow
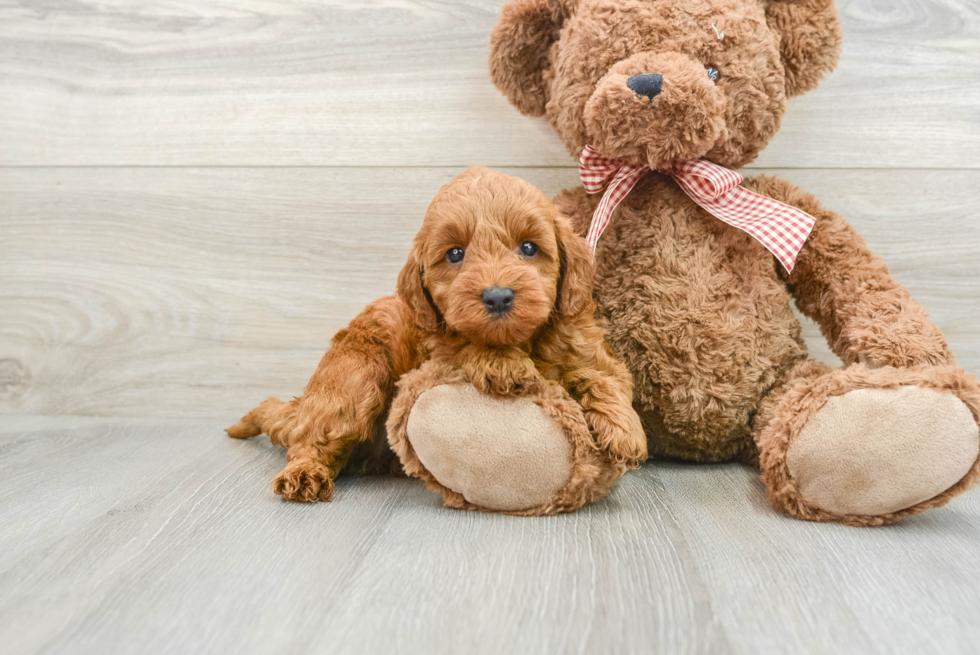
782 229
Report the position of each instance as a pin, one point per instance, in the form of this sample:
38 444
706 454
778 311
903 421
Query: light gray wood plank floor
194 196
163 536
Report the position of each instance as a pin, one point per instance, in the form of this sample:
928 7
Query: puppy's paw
629 449
499 373
622 436
305 481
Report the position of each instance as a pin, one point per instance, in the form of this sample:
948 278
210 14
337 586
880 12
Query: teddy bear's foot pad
876 451
505 455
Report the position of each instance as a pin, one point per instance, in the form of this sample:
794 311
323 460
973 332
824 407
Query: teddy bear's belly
696 311
499 454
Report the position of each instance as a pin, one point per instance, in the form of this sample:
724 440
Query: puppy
498 284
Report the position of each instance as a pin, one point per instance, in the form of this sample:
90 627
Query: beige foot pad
529 454
504 455
877 451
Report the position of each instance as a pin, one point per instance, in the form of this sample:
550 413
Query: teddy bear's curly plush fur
698 310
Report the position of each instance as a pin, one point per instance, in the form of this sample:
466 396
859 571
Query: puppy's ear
411 289
809 40
519 48
576 271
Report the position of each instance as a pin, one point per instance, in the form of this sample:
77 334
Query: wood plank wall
195 195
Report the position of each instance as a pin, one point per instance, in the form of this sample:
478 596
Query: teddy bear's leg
895 431
499 454
868 446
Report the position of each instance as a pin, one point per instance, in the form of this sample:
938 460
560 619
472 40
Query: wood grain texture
404 83
198 292
137 536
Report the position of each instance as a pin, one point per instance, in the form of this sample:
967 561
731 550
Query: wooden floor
158 536
194 196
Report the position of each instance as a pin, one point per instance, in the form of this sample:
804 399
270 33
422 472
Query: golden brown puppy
498 284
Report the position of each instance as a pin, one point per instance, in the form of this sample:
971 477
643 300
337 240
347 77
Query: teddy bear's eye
712 73
455 255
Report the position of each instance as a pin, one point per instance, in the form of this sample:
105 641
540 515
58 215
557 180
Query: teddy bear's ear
411 289
810 40
519 50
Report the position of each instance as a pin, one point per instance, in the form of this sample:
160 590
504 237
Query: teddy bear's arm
866 315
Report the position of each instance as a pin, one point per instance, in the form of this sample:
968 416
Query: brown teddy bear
653 93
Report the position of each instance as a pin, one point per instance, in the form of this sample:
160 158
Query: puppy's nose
646 84
498 300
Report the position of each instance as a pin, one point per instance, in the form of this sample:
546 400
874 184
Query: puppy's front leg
605 391
342 401
497 371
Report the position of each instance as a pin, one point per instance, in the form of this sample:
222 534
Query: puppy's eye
529 249
455 255
712 73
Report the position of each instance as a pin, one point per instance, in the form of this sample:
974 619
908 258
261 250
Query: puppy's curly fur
438 313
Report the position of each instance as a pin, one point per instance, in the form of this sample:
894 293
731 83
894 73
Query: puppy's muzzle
498 300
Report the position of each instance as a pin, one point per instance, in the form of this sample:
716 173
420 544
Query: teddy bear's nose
646 84
498 300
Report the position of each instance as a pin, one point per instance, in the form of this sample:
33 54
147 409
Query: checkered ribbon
782 229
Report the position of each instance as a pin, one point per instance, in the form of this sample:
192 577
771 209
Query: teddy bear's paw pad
501 454
876 451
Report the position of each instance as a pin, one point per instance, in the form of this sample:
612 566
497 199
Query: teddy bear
486 373
661 100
